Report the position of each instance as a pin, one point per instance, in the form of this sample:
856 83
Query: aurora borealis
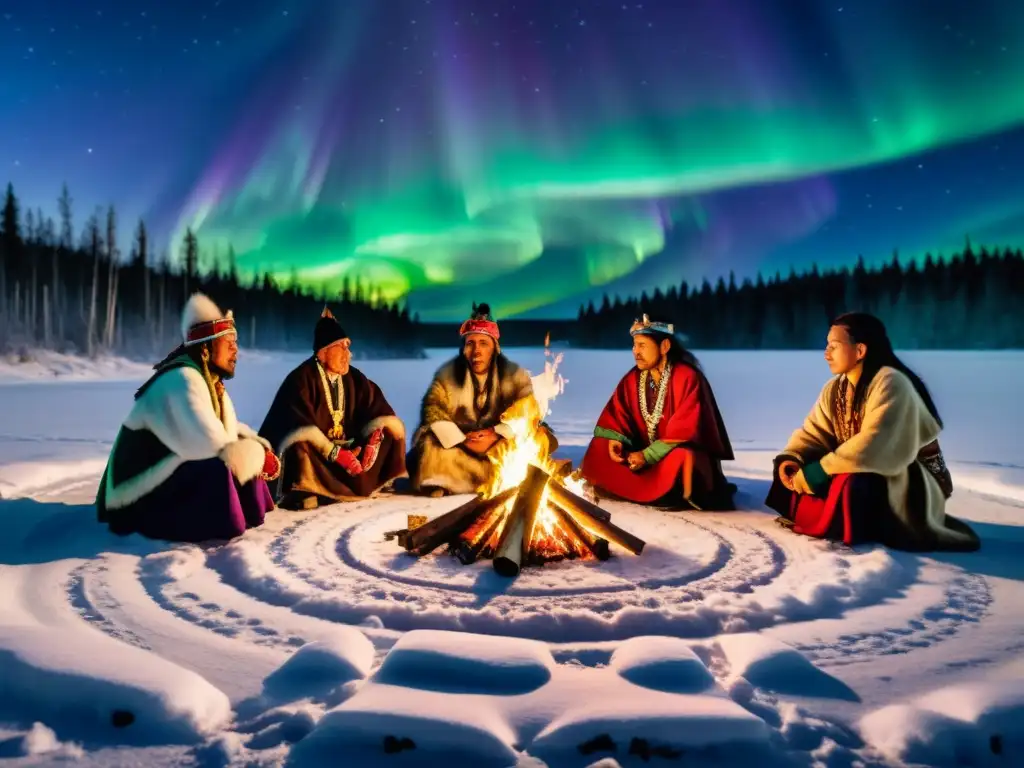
533 154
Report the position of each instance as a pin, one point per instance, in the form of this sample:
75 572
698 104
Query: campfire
533 511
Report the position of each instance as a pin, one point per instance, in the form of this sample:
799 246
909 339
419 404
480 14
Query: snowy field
311 641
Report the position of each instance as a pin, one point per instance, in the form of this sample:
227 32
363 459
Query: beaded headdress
648 327
480 321
202 320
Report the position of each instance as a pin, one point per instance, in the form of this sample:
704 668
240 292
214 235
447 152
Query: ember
532 512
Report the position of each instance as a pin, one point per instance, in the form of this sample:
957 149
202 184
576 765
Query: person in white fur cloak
183 468
866 464
461 425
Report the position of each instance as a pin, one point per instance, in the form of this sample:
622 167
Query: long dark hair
194 351
868 330
499 365
677 353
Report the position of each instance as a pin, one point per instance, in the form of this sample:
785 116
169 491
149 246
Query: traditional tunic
453 406
300 421
682 436
844 455
183 467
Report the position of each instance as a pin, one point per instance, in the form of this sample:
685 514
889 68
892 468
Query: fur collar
504 390
177 409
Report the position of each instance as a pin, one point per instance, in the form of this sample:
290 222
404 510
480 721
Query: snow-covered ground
312 641
42 365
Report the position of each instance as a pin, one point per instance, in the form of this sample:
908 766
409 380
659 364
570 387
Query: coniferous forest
973 300
85 292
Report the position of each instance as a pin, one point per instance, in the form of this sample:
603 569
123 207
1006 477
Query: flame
530 445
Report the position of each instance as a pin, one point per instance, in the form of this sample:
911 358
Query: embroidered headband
486 327
211 330
648 327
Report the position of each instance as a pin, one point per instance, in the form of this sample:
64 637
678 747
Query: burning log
474 540
515 538
450 525
559 492
593 518
531 491
596 545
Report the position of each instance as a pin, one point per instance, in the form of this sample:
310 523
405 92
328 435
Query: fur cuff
244 457
391 424
447 433
244 430
311 434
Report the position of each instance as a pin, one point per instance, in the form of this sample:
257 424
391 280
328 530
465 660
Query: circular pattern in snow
700 574
301 575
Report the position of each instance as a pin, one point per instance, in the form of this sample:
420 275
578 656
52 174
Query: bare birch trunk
57 294
147 310
112 308
163 305
91 324
46 317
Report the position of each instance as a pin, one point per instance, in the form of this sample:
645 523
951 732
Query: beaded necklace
653 419
336 432
847 423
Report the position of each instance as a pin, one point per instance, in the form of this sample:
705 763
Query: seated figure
461 419
866 464
661 440
336 434
183 467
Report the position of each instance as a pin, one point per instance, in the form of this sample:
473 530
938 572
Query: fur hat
327 331
202 320
480 321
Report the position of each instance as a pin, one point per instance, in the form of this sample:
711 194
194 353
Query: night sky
533 154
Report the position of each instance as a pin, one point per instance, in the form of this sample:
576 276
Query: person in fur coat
183 468
461 425
866 464
337 435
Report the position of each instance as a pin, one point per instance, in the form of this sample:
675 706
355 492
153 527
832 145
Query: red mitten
372 449
347 461
271 466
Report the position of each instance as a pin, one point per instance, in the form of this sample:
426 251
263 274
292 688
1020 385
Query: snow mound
93 686
458 662
774 666
663 664
974 723
662 724
322 665
41 740
428 726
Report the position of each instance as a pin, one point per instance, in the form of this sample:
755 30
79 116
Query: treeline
92 297
973 300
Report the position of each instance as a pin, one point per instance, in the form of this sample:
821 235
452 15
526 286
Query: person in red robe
661 440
